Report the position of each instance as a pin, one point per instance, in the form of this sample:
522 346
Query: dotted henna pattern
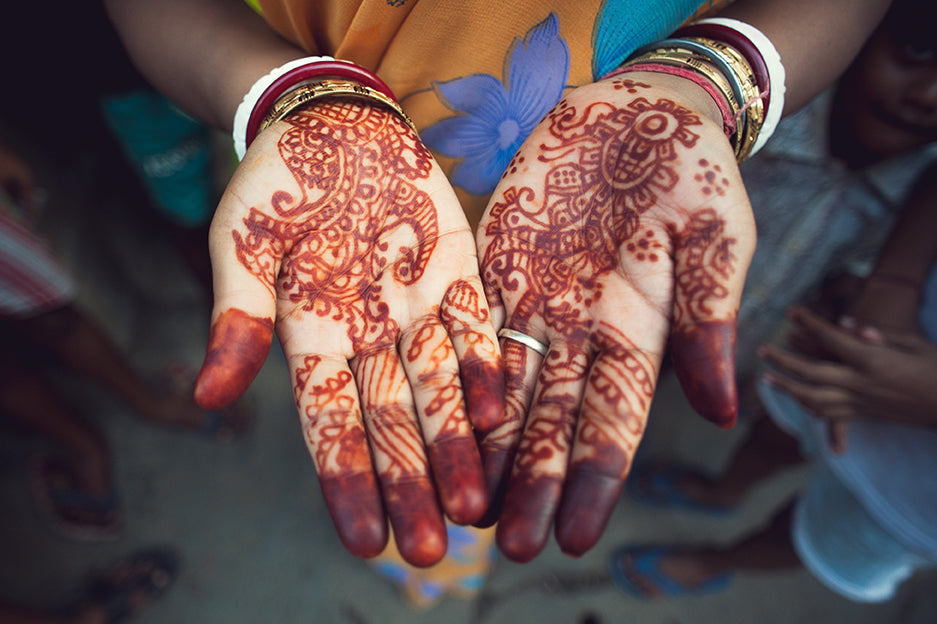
608 166
348 206
329 247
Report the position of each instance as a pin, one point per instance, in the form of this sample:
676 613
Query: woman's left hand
621 222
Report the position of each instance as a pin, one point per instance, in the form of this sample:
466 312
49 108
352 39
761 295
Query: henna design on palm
336 231
559 257
350 247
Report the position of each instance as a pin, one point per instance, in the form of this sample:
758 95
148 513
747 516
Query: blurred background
127 189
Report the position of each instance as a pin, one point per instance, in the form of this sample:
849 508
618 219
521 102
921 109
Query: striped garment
32 281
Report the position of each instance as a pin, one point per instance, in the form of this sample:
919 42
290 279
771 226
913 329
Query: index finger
245 260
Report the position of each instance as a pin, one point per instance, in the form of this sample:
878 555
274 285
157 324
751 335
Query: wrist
690 93
296 83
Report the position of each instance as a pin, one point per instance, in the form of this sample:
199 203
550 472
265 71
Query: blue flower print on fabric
496 117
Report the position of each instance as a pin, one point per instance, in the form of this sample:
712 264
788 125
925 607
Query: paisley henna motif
348 205
354 231
553 253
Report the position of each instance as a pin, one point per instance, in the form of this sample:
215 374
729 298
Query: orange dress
477 75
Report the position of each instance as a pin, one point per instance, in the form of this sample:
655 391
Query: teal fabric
625 25
171 152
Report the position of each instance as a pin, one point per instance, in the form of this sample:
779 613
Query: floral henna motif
354 167
610 165
356 228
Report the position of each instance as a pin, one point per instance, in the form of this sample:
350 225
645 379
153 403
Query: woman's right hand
340 232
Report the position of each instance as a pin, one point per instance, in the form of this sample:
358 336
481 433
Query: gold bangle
305 92
700 65
726 69
753 102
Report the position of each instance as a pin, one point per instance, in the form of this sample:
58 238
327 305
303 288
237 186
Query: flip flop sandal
74 513
659 486
634 569
133 582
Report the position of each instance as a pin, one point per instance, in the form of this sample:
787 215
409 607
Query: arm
816 40
202 54
890 297
621 226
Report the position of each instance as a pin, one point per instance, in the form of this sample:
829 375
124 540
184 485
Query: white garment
868 518
814 217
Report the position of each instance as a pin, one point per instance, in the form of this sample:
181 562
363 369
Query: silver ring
524 339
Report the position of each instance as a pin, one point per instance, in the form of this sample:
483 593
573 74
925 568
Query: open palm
340 231
621 222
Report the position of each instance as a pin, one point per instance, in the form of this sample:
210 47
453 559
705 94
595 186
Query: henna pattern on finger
611 425
457 469
334 430
553 253
709 263
499 446
395 441
703 346
237 348
353 228
463 312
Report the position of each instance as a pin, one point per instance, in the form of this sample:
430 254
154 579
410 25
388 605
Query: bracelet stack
298 82
735 64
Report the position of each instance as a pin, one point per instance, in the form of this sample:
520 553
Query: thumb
709 275
244 267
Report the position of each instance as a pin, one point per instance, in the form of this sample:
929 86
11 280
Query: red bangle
741 43
317 69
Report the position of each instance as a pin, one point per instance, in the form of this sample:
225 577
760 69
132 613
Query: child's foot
663 572
129 587
669 484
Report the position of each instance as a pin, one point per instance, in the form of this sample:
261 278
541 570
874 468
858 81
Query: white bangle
246 107
776 74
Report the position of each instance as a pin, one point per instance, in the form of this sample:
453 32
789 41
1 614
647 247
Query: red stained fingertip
419 529
588 501
237 349
527 516
704 362
355 506
460 481
483 386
